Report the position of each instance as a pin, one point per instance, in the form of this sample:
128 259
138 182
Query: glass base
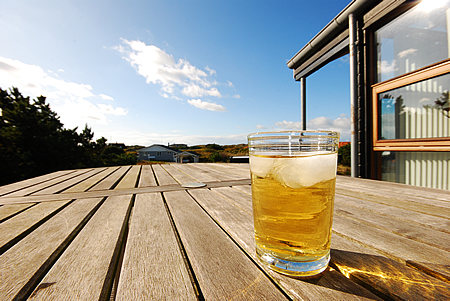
294 268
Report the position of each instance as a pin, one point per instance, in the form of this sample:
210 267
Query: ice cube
260 166
304 171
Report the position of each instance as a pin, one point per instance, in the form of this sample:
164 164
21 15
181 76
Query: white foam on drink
297 171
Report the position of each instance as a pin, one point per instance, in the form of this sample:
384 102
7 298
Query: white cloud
71 101
341 124
175 77
147 139
193 90
407 52
105 97
204 105
387 67
211 71
260 127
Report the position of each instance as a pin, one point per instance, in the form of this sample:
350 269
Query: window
416 39
411 100
410 97
413 111
159 154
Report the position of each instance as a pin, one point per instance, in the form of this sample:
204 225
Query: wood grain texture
239 225
177 174
88 183
147 177
399 226
404 214
111 180
4 190
20 224
402 193
238 171
396 201
247 189
237 198
130 179
214 173
20 263
394 246
70 182
391 187
114 192
79 274
9 210
199 174
162 176
388 239
49 183
387 276
223 271
153 267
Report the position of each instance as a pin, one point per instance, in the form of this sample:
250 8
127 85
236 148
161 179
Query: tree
33 140
344 152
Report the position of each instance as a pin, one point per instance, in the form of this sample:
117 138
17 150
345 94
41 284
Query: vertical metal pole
353 92
303 101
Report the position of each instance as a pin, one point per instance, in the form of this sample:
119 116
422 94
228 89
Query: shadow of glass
388 278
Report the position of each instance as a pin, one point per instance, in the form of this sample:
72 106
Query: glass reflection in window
419 110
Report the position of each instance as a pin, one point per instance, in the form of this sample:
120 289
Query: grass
344 170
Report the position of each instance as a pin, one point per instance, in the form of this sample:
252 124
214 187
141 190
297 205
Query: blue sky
193 71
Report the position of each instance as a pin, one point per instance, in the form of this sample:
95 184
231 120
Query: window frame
414 144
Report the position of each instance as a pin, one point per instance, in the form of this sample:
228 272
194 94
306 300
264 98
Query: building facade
157 152
400 81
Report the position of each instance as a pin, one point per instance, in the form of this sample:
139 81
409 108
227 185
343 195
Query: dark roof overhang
330 43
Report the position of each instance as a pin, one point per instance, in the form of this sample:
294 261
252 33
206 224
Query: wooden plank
390 223
162 176
399 194
64 185
395 188
88 183
391 279
111 180
43 185
235 171
4 190
130 179
83 270
25 222
153 267
236 198
178 175
216 174
397 202
199 174
221 268
426 220
147 177
239 225
105 193
9 210
247 189
26 262
389 244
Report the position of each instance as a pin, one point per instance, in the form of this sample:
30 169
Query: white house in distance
157 152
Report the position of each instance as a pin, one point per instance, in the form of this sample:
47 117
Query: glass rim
276 133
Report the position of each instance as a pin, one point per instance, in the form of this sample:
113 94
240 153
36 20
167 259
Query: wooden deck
135 233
